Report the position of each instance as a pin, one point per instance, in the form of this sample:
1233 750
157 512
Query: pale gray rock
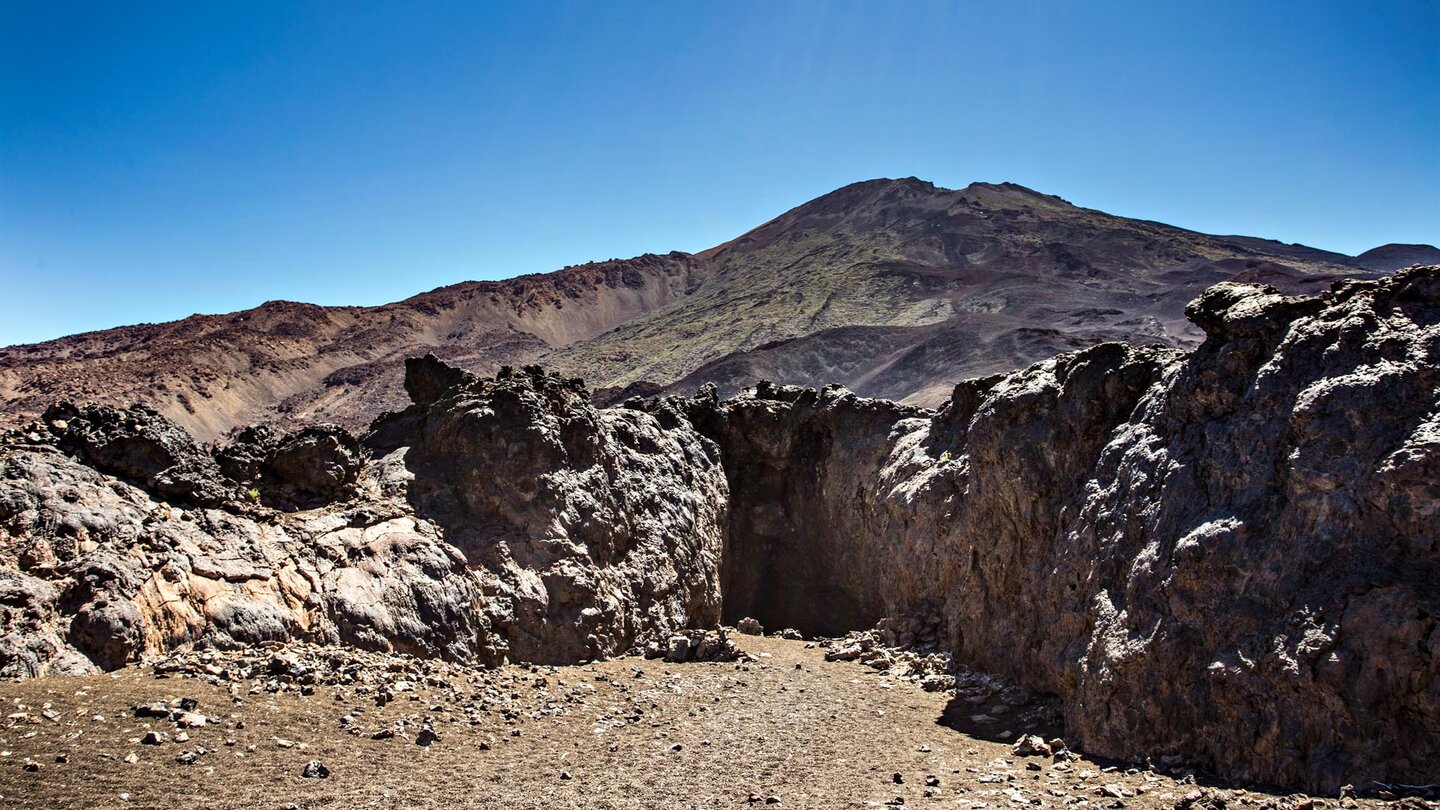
523 521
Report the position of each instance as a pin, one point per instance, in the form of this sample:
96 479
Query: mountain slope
894 288
292 363
897 288
1392 257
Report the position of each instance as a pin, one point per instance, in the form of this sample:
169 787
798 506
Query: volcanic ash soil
295 726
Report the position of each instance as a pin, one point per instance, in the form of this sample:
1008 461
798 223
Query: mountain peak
891 286
1394 256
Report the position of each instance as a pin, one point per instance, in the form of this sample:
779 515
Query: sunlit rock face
513 519
1229 556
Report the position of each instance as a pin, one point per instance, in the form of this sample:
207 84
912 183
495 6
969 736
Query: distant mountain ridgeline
894 288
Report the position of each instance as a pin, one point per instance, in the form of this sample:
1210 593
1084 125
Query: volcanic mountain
894 288
897 289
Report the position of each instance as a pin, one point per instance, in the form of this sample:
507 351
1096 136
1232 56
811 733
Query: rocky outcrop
521 522
99 572
1228 557
600 525
307 468
141 446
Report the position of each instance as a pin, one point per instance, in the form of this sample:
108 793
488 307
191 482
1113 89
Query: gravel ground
787 728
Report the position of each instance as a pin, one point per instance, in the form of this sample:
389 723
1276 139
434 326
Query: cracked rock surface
522 521
1229 556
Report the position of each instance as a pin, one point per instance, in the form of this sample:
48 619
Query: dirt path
623 733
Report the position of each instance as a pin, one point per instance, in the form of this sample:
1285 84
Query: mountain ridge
897 287
994 261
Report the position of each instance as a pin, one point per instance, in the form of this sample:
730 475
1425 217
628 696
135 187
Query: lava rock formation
1227 556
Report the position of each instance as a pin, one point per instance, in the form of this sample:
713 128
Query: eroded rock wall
492 518
1230 556
98 572
601 526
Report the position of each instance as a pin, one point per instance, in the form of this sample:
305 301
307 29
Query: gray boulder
601 527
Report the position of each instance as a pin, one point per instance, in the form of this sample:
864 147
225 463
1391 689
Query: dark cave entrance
790 571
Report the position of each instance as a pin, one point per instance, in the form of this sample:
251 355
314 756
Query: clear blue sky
158 160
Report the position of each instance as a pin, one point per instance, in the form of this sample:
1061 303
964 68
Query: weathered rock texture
522 521
600 524
1230 556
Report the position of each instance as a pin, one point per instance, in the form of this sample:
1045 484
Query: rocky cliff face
1227 557
514 519
601 525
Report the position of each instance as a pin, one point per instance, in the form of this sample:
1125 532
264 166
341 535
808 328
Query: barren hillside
296 363
894 288
899 288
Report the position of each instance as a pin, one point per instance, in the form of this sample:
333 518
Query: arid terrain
1219 561
893 288
1075 510
645 434
786 728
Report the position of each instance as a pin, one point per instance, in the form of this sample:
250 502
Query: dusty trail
622 733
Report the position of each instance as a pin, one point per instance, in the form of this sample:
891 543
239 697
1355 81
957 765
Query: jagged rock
1031 745
598 526
750 627
522 520
128 574
247 455
315 769
141 446
1229 555
304 469
322 461
427 379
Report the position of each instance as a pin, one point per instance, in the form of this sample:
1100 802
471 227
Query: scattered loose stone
750 627
158 708
1031 745
315 769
